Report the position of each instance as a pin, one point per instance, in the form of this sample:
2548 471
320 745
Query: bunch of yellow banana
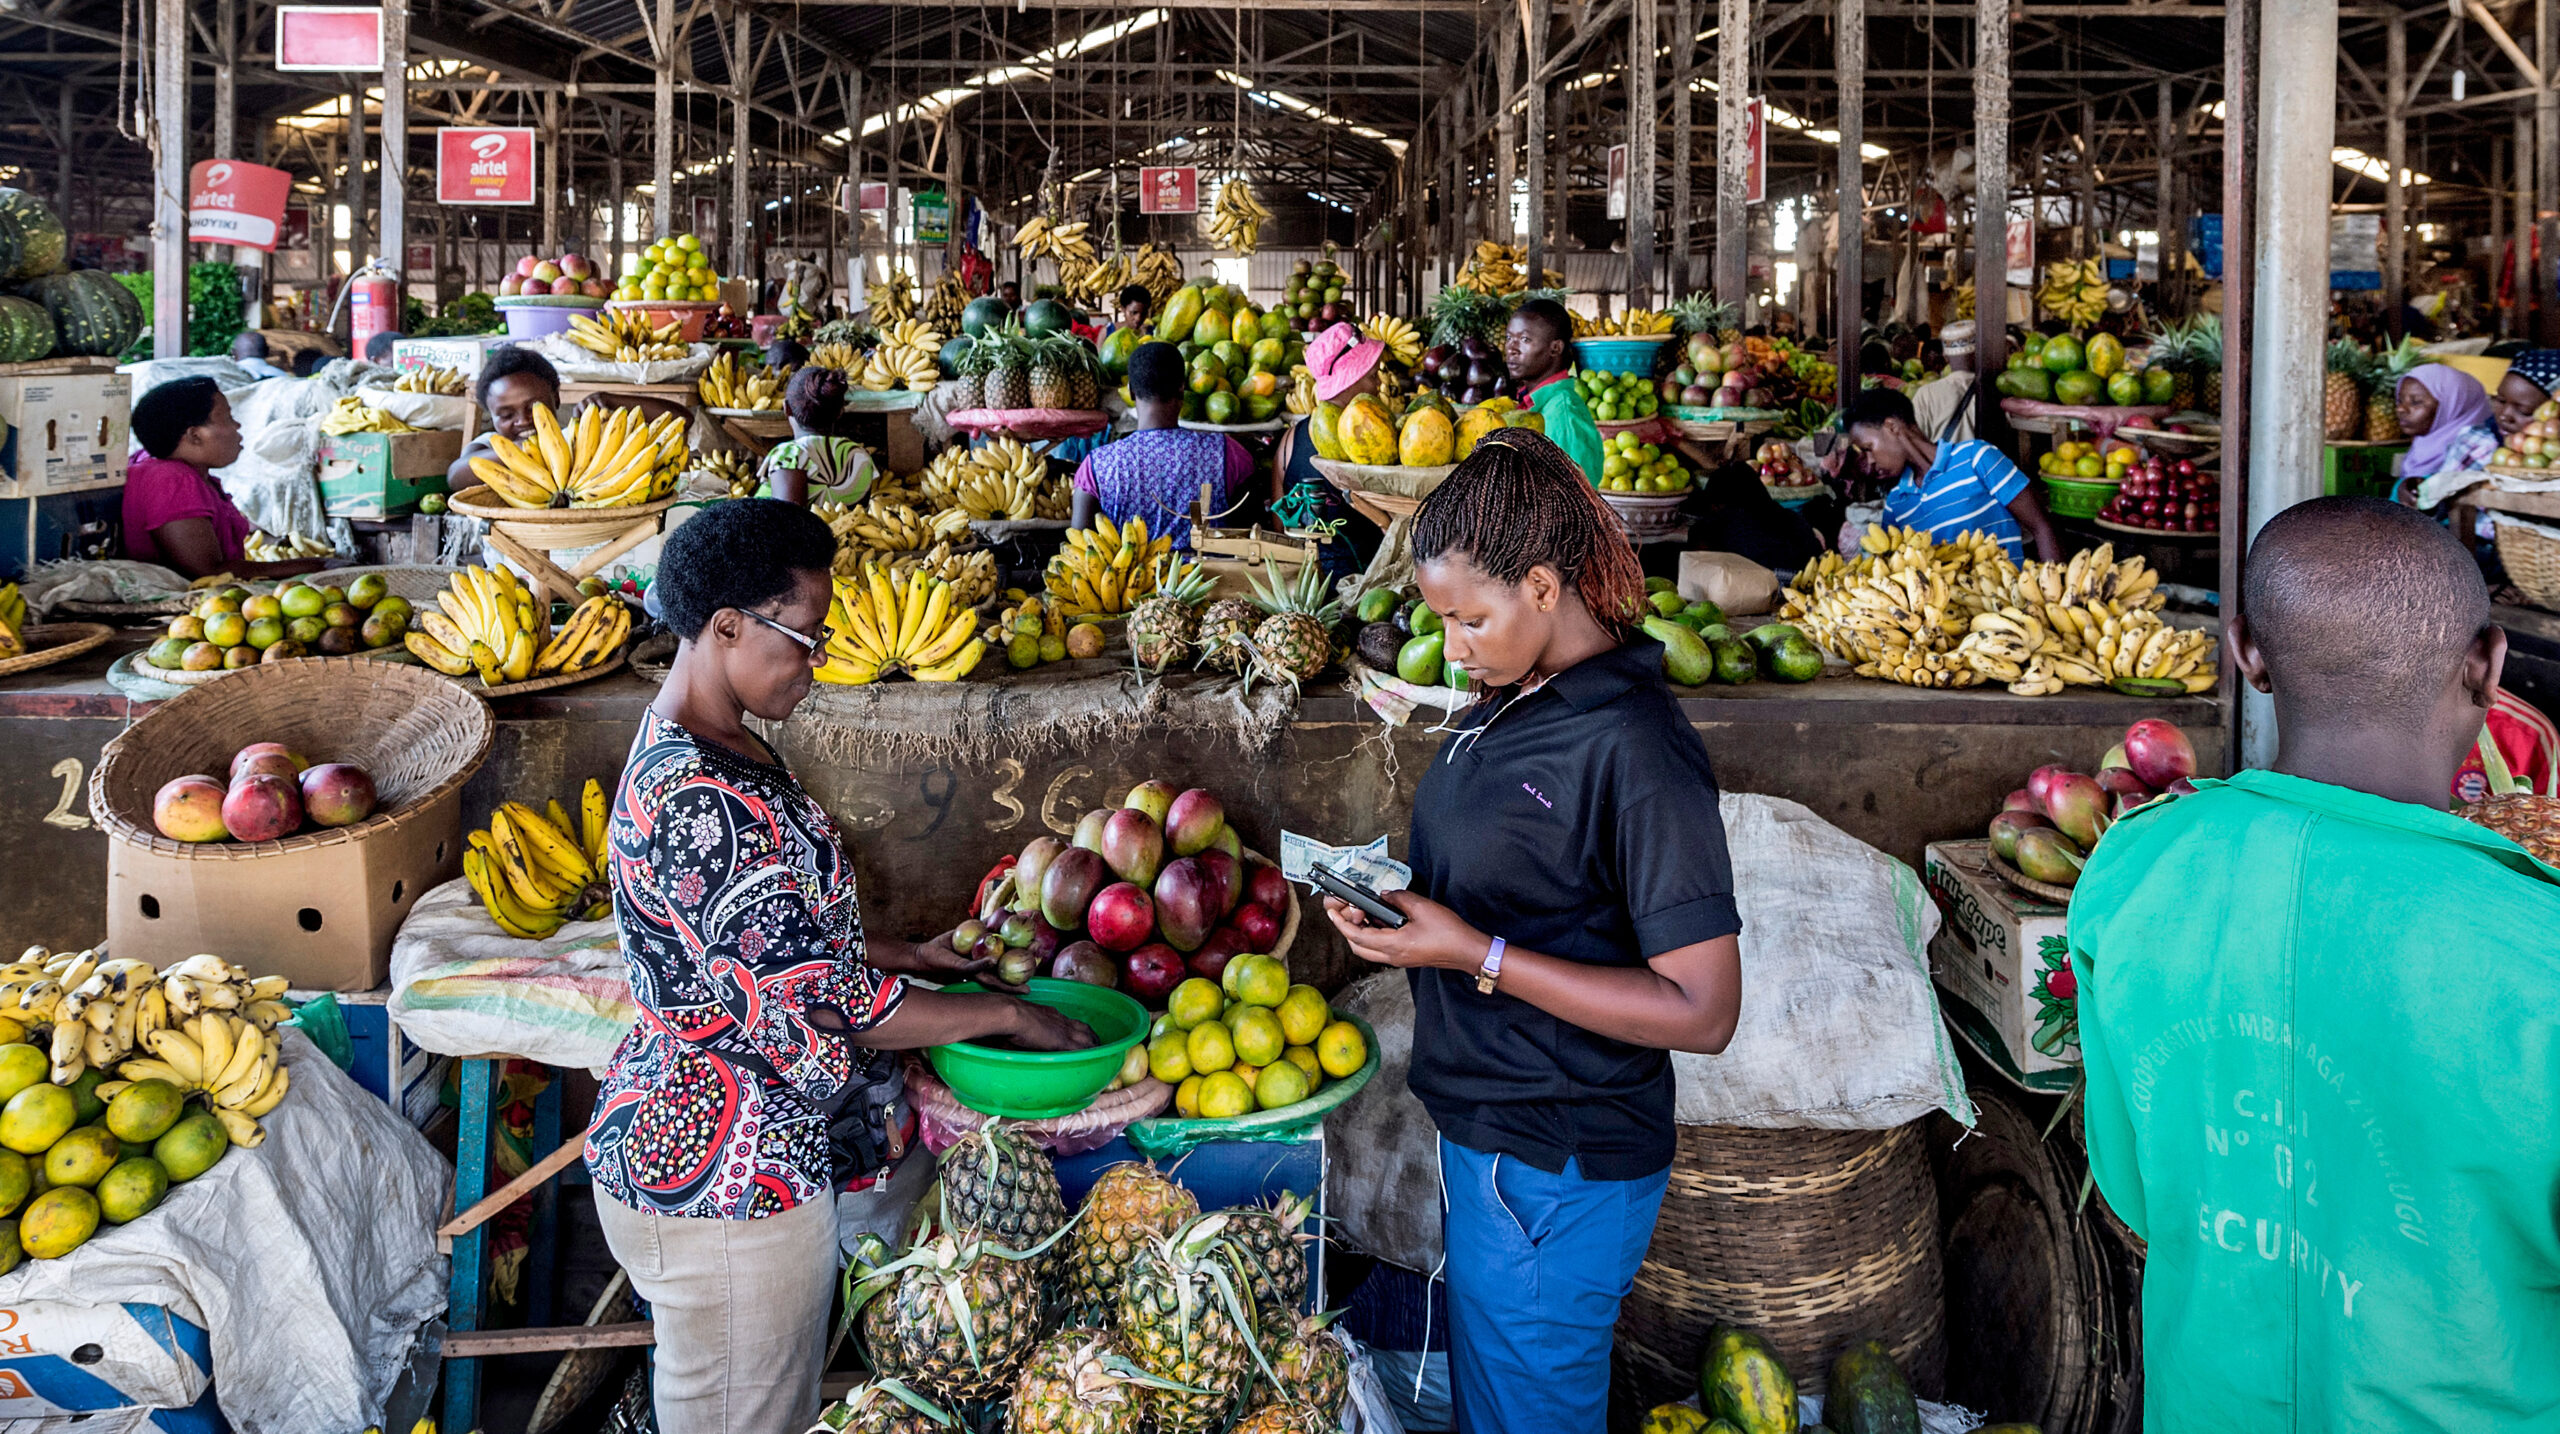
535 871
1065 243
887 527
837 356
1236 219
892 299
486 620
2075 291
603 460
594 633
897 488
1105 569
972 575
624 336
950 296
1897 610
432 379
732 468
896 365
1502 269
1634 323
1403 341
220 1046
913 334
353 415
2090 622
723 386
886 622
1301 397
100 1012
264 547
13 621
1964 300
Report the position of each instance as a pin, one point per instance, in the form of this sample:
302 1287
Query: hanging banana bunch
1236 219
1041 237
892 299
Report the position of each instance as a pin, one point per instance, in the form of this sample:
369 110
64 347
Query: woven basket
2532 555
1815 1238
417 734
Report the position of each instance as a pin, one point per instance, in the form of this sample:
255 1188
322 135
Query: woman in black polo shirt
1572 919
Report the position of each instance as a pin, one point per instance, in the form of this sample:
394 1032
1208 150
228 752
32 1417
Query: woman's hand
936 960
1042 1028
1432 934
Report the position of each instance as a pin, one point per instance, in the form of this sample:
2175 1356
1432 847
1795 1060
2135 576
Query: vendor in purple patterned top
1157 472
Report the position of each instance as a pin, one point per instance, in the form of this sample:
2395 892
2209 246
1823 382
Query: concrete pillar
1642 158
2395 161
2239 280
169 178
1990 205
395 141
1849 68
662 133
1733 154
742 214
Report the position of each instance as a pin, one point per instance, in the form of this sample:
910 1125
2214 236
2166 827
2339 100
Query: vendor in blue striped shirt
1945 488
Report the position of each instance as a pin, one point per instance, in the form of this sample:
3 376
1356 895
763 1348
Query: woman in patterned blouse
765 1012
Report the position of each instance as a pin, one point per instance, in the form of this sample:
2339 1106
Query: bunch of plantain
604 460
884 622
2090 622
732 468
13 621
433 378
1403 341
624 336
264 547
723 385
486 621
1502 269
1634 323
972 575
2075 291
353 415
1237 218
887 527
1106 569
1066 243
892 299
535 871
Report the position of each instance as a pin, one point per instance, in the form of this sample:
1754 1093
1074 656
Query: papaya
1365 432
1181 313
1528 418
1211 329
2029 382
1323 429
1474 426
2104 354
1741 1380
1426 440
1868 1393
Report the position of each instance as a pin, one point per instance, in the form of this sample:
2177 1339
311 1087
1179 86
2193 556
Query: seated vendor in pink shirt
175 514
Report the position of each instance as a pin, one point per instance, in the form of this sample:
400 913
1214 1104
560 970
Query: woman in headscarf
2447 416
2533 377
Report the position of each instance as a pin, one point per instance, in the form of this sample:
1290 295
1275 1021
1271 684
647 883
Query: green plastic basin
1038 1085
2075 497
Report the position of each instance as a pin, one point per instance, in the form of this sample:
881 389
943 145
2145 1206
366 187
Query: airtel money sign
484 166
229 202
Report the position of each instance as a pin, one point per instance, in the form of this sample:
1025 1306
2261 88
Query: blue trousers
1537 1264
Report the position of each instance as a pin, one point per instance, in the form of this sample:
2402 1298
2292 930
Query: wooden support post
2169 210
353 189
1849 70
1560 204
855 276
2498 229
2395 162
2546 176
169 178
395 149
2523 289
1684 49
1733 153
951 192
1990 208
62 162
1533 26
742 214
662 133
1642 156
2239 283
548 108
1506 136
2092 236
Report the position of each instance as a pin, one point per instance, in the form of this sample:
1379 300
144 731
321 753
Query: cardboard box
400 1073
66 433
1989 957
463 354
321 916
382 475
59 525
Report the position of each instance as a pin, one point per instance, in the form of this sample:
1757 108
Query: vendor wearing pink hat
1345 364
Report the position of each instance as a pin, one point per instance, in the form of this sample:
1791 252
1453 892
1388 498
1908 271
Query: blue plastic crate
1226 1173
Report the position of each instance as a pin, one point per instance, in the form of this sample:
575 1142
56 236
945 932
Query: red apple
1121 918
1258 924
1264 886
1152 971
189 809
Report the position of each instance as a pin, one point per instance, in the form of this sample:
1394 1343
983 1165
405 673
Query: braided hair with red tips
1517 502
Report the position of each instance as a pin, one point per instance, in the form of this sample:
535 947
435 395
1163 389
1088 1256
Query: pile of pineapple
2356 397
2193 351
1141 1312
1283 634
1010 369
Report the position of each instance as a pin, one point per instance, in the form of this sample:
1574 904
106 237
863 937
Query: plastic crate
2359 468
1224 1173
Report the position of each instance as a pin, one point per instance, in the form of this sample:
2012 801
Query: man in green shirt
2317 1016
1538 349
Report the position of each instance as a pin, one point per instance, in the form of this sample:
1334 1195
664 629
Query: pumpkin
26 330
92 313
32 240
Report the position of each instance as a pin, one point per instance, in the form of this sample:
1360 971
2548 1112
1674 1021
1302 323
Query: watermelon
982 315
26 330
1047 316
92 313
31 238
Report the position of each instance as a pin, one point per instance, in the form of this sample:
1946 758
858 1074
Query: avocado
1705 612
1452 675
1378 645
1425 620
1717 632
1734 663
1668 604
1685 657
1420 660
1795 660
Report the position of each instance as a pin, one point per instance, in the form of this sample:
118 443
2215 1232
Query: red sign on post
484 166
1171 190
231 202
327 37
1755 139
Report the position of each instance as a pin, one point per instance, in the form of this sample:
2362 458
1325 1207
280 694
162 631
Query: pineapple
1070 1386
1085 382
2204 350
1295 642
969 385
2172 348
1008 380
1001 1187
885 1406
1049 384
2382 406
1164 627
1186 1316
953 1319
2342 392
1309 1367
1130 1204
1270 1238
1226 634
1285 1419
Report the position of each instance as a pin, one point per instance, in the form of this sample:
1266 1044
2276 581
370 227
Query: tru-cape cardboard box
65 433
320 916
463 354
1988 959
382 475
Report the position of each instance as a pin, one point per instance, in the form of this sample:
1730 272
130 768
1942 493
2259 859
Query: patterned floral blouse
738 919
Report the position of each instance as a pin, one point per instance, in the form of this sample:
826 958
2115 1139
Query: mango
131 1189
59 1221
192 1147
38 1116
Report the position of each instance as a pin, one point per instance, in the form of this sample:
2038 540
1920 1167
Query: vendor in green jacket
2316 1015
1538 348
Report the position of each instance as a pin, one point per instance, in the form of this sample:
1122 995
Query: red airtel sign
484 166
233 202
1171 190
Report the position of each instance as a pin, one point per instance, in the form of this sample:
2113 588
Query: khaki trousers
741 1311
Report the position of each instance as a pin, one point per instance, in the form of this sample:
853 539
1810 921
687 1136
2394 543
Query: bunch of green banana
534 871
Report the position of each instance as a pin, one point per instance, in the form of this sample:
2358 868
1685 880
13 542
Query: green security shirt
1569 422
2324 1084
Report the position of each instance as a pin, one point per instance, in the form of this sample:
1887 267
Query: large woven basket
418 735
2531 553
1814 1238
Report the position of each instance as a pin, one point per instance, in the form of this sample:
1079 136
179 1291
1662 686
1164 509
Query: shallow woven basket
1815 1238
2533 563
418 734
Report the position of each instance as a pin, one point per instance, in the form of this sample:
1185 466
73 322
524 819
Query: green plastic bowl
1039 1085
2075 497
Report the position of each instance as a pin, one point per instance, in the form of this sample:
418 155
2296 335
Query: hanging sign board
1171 190
328 37
231 202
1617 181
1755 159
484 166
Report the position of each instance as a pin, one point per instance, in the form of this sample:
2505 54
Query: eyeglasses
815 647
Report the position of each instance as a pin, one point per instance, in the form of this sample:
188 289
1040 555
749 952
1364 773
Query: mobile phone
1342 888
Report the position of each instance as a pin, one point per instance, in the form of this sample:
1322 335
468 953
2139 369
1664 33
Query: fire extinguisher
373 297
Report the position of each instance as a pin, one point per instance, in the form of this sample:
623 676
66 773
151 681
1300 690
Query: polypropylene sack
462 987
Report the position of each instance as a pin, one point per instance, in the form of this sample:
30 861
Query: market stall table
757 429
1042 429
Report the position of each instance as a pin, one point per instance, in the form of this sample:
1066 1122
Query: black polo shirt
1579 821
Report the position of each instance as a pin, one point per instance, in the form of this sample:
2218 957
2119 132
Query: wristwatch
1491 970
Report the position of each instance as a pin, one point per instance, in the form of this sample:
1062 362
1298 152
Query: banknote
1369 865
